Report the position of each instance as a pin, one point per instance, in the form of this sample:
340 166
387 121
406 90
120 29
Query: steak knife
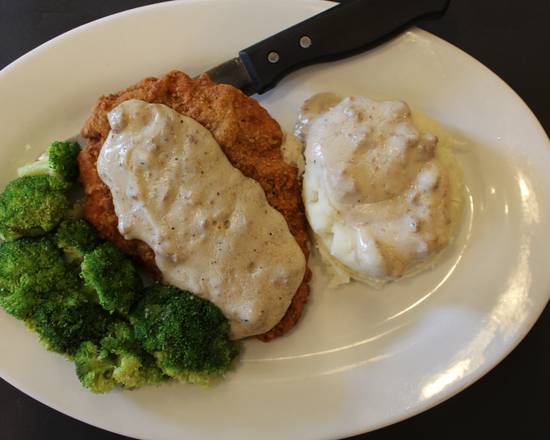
343 30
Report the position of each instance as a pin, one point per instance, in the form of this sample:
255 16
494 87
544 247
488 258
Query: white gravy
374 191
211 228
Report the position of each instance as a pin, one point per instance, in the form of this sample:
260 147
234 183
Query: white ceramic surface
360 358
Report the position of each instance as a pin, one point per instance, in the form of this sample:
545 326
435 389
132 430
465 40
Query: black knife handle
340 31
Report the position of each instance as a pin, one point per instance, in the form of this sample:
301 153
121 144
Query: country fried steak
249 137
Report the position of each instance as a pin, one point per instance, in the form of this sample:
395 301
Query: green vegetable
63 326
118 359
114 278
94 368
134 366
76 238
31 271
76 211
31 206
60 163
188 336
78 292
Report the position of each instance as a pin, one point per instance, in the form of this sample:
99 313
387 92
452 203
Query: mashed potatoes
382 195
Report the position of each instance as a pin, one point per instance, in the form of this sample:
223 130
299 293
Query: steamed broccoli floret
76 211
31 271
60 163
188 336
117 360
76 238
113 276
31 206
134 366
94 368
35 203
63 326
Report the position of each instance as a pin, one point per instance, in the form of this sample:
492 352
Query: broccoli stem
38 168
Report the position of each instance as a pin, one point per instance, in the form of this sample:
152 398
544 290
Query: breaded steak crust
249 137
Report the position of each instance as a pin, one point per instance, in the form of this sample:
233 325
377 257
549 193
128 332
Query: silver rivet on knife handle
305 42
273 57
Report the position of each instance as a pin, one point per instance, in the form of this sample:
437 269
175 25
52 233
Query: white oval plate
360 358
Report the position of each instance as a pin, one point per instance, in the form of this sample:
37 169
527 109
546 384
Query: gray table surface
510 37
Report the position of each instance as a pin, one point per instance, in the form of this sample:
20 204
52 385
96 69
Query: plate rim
522 329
